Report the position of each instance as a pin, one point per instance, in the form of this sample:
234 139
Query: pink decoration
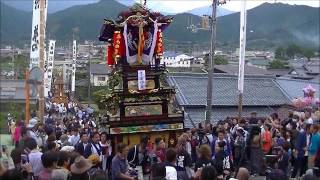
309 91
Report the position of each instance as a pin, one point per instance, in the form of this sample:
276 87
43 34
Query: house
99 74
172 59
305 70
259 62
262 94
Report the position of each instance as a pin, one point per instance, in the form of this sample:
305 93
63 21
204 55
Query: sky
233 5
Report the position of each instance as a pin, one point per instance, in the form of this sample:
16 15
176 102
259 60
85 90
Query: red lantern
159 44
118 44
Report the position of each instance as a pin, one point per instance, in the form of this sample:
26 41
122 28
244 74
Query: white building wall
181 60
96 81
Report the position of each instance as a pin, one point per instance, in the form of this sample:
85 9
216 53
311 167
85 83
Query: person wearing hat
95 161
32 131
79 169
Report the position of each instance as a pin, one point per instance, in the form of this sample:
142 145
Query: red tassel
122 47
110 59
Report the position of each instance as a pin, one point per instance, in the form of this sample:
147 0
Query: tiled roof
197 115
169 54
99 69
233 69
293 87
258 90
279 72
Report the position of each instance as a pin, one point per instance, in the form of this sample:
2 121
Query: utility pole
14 73
89 77
27 95
41 58
211 61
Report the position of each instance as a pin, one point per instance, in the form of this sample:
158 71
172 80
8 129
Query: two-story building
172 59
99 74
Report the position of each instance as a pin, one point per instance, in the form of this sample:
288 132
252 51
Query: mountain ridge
281 25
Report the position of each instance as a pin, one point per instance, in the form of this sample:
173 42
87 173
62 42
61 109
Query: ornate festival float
139 101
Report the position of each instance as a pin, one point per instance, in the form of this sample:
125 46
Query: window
101 78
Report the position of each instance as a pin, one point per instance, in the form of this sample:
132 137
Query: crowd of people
70 145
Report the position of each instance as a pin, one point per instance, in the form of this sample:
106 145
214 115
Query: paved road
5 139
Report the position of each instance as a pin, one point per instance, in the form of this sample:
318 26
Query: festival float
139 100
308 99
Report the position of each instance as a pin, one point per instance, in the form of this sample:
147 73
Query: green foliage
280 53
99 95
278 64
308 53
219 60
19 64
293 50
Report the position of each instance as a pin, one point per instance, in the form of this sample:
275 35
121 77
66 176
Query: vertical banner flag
74 59
243 27
49 68
34 49
141 79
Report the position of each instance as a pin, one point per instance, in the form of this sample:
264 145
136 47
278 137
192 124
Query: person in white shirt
82 144
75 137
171 158
34 156
308 117
94 147
32 132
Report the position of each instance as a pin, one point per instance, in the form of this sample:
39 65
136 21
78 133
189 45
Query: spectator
171 158
300 153
120 164
94 146
34 157
64 161
314 145
138 155
205 157
79 169
243 174
158 172
81 146
160 149
208 173
49 161
266 139
184 161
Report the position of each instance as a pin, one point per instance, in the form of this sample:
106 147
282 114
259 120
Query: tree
280 53
293 50
278 64
218 60
308 53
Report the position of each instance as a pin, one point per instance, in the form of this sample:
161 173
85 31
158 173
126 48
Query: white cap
32 122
